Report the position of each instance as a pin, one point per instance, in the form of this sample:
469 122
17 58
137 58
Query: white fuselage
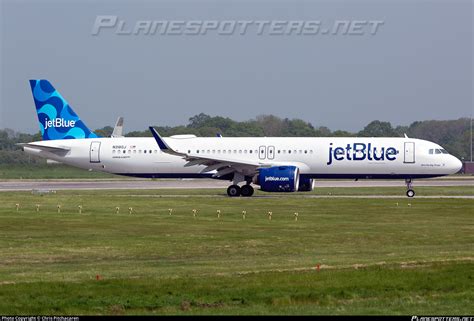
332 157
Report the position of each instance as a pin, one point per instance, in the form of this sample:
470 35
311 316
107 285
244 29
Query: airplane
275 164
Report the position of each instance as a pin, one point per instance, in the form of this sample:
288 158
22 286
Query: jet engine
278 179
306 184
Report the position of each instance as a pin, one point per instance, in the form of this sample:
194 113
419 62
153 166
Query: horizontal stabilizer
50 149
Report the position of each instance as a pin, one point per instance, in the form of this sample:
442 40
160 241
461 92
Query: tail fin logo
59 122
56 118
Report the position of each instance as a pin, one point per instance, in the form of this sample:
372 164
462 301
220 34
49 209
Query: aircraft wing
222 165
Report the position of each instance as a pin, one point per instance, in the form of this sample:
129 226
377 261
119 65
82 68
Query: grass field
48 172
375 256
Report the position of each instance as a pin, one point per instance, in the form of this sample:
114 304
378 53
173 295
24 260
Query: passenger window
113 151
124 151
134 151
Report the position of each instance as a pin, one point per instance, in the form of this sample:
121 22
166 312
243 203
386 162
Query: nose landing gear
410 191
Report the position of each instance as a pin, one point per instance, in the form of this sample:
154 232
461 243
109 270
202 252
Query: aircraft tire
233 191
246 190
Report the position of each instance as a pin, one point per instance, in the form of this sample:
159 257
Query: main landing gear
236 190
410 191
246 190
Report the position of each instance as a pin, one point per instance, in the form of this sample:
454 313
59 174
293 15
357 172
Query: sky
417 66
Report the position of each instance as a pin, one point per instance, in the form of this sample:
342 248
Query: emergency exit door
409 152
95 152
271 152
262 152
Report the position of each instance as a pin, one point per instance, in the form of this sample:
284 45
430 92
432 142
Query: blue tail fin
56 118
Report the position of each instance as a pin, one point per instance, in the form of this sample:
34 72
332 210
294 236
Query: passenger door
95 152
409 152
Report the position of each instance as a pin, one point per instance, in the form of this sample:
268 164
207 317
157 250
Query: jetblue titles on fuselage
360 152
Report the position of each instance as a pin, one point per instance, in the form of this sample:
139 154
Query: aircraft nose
455 165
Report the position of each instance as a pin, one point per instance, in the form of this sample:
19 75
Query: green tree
272 125
378 128
198 120
453 135
104 131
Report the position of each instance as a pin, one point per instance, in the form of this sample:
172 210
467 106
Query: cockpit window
437 151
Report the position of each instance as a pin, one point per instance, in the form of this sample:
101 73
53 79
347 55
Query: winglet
161 143
405 135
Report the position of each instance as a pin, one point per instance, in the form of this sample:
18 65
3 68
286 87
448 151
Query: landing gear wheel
246 190
410 193
233 190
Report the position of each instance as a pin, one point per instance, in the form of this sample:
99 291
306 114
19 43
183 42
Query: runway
131 184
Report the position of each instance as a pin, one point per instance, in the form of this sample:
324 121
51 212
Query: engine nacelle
278 179
306 185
